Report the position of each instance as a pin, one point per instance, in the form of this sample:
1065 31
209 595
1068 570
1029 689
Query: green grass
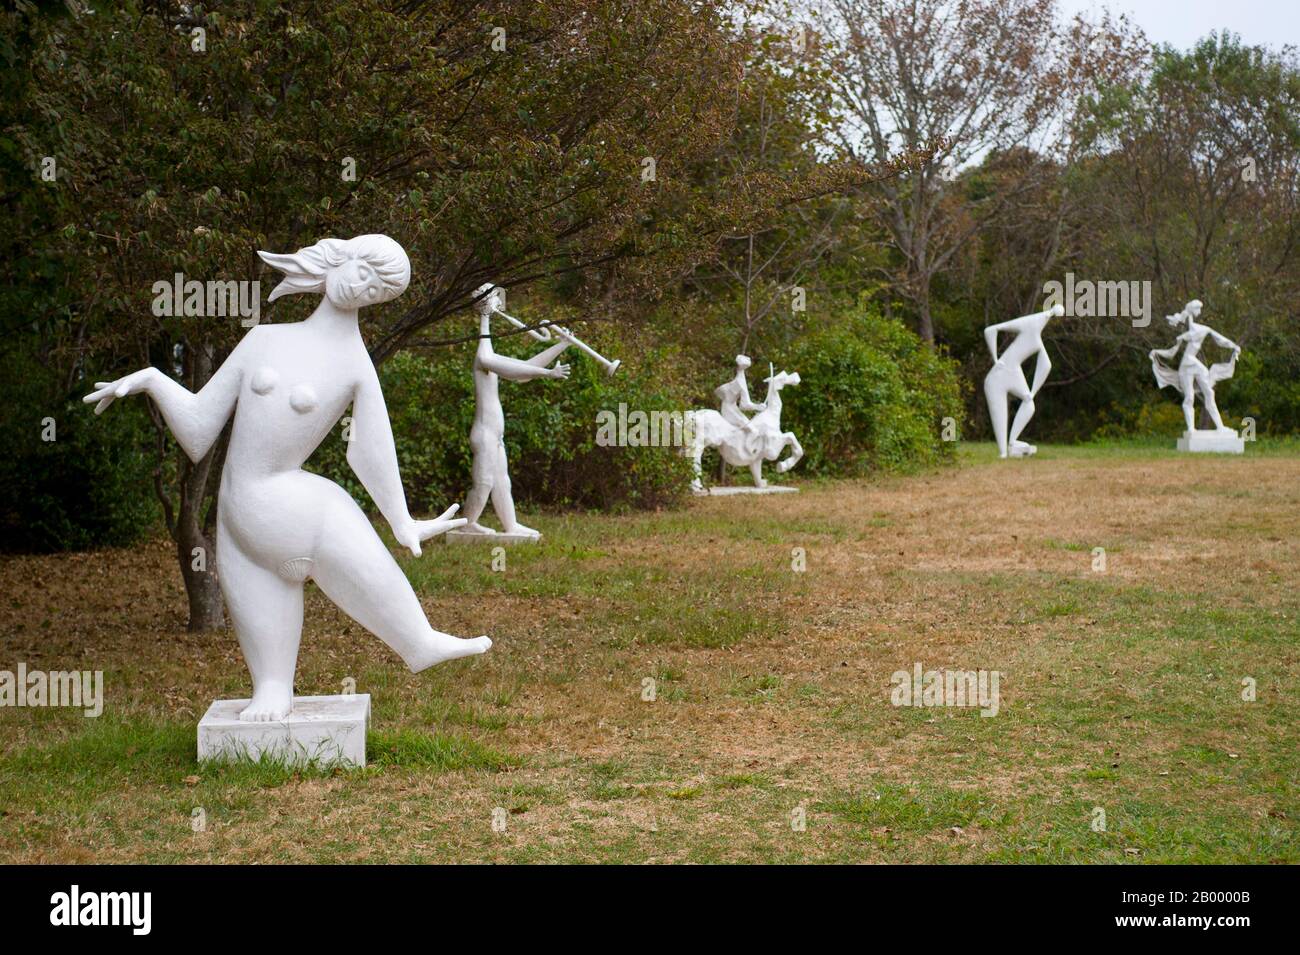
1121 691
410 749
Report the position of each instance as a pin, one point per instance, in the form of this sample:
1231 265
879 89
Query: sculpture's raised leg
1023 414
1212 406
356 571
796 452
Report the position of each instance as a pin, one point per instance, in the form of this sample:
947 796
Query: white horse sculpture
764 441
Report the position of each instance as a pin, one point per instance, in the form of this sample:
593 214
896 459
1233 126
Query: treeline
852 190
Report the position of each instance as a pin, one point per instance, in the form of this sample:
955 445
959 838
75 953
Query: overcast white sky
1183 22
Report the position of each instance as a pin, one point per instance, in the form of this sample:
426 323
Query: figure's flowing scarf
1219 371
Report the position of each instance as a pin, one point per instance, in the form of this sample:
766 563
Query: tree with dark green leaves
1188 178
497 141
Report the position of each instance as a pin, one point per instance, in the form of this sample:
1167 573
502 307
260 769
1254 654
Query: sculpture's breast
303 399
264 380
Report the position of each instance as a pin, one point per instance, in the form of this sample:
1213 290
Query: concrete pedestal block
1215 442
749 489
463 537
325 730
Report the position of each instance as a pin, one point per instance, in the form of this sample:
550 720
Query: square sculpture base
325 730
462 537
1221 442
749 489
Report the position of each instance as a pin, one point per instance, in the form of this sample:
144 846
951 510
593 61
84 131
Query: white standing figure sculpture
1006 379
491 474
749 444
733 397
278 525
1192 375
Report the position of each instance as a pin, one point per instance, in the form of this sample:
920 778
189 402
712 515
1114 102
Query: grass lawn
1120 689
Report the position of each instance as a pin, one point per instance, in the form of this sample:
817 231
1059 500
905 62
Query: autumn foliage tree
988 80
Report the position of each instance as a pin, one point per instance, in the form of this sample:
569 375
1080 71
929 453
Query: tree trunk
198 558
192 518
925 324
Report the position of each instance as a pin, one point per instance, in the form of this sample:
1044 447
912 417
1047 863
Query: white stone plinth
1222 442
325 730
469 537
749 489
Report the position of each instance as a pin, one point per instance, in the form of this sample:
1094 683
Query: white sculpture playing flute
490 472
1006 379
278 525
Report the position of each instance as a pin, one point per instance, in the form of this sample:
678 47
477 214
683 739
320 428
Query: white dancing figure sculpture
733 397
277 525
491 475
745 445
1192 375
1006 379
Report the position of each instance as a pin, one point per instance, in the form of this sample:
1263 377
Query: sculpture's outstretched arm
195 420
512 369
1224 341
548 355
746 403
372 455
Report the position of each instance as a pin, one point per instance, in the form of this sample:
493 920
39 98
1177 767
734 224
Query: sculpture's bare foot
521 529
476 528
443 647
271 703
1022 449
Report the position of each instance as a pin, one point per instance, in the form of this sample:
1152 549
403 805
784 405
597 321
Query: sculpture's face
354 284
491 299
742 362
1194 309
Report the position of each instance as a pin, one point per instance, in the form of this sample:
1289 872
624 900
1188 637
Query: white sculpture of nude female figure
490 477
1191 373
277 525
1006 379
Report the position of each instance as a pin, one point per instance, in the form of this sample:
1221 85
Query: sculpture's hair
1180 317
306 269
